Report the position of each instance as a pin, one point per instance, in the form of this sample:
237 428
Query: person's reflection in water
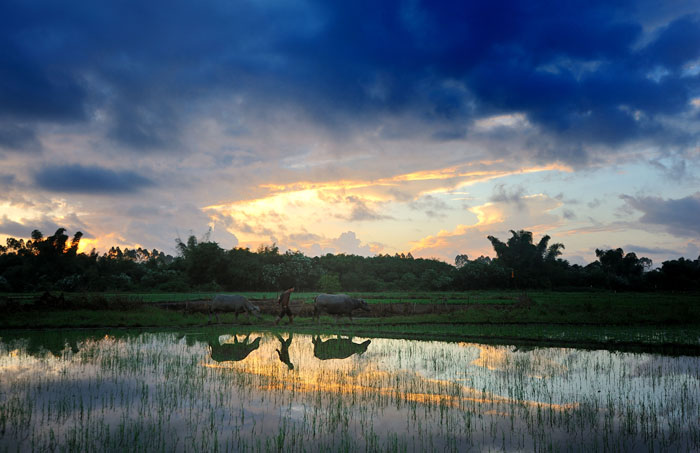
283 351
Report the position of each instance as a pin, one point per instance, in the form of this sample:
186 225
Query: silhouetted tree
461 260
53 262
680 274
622 271
527 262
205 262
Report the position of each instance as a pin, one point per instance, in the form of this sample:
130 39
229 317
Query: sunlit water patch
283 392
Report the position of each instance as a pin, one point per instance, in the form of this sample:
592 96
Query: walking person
284 305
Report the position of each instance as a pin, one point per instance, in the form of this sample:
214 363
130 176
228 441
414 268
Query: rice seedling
179 392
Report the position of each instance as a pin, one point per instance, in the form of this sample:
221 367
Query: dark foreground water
82 391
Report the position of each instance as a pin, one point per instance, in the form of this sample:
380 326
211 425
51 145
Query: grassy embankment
601 319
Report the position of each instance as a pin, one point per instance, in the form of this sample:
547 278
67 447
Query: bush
174 286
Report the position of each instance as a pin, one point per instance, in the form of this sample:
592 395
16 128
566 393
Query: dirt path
379 310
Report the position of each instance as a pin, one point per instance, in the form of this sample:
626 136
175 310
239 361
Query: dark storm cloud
677 43
18 137
89 180
31 88
679 216
145 127
581 71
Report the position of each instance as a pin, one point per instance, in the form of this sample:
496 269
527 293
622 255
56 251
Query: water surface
216 390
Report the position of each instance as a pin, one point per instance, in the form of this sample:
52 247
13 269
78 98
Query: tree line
53 263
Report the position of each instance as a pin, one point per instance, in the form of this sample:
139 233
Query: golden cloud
326 207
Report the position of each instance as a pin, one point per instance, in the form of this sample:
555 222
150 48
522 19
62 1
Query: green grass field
595 318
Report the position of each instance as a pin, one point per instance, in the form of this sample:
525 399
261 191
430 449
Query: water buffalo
232 352
232 303
337 348
337 304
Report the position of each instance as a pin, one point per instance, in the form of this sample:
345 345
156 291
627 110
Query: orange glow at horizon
86 245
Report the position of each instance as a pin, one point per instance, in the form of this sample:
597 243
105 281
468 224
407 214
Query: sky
356 127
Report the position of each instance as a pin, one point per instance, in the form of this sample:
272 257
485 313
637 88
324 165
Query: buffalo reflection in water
337 348
232 352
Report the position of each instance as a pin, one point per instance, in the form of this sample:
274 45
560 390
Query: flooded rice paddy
219 391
